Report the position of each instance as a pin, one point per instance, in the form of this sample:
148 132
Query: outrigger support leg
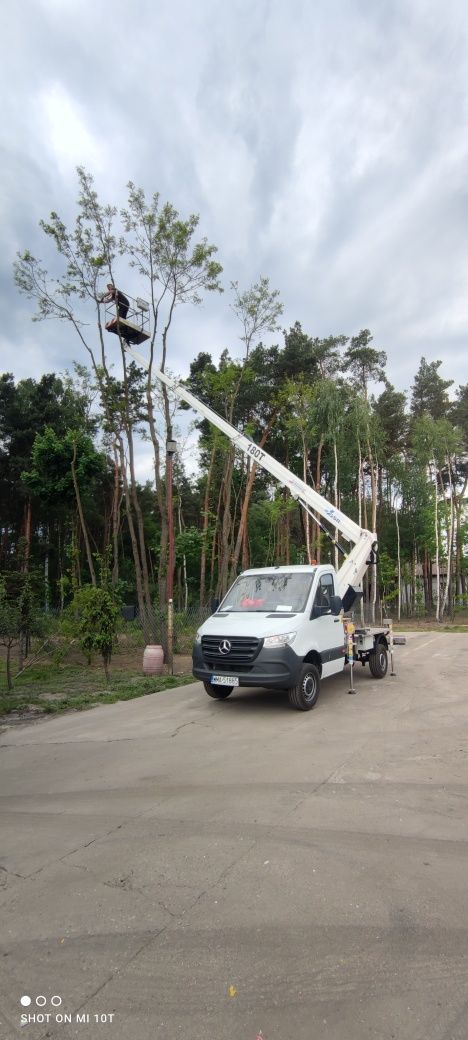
350 630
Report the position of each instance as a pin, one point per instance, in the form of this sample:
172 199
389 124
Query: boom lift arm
353 568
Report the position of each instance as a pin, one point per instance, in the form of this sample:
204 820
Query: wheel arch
313 657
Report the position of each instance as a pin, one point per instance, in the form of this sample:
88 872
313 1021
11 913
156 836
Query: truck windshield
268 592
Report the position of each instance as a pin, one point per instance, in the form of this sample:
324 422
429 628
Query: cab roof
297 568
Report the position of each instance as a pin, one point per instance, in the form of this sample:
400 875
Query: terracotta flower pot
153 660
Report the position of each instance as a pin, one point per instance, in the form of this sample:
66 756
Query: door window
325 590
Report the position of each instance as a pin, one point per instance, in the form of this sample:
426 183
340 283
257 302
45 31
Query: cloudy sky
324 144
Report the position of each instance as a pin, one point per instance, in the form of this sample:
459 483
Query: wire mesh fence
153 627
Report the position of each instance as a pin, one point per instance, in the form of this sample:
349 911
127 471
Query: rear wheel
378 661
304 695
218 692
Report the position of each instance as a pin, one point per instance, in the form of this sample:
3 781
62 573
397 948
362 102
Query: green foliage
160 246
27 409
429 391
434 439
50 476
365 362
390 410
95 616
459 413
387 577
258 309
188 545
19 617
10 617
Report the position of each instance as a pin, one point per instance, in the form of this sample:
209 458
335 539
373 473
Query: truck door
327 629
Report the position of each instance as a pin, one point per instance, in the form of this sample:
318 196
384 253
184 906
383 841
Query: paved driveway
223 871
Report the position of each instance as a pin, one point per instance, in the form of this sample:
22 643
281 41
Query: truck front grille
237 651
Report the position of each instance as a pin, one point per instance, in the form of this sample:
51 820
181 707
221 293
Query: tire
218 692
378 661
304 695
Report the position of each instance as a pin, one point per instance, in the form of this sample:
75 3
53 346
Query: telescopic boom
354 566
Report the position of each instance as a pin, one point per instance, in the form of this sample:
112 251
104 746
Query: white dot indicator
25 1001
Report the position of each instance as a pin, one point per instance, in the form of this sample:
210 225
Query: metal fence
155 627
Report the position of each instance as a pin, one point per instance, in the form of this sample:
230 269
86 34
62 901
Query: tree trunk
139 520
427 573
436 532
160 497
226 522
373 588
459 577
285 532
134 543
364 497
335 496
8 667
184 558
82 518
245 549
449 543
359 485
398 563
116 501
60 567
243 525
27 536
318 481
206 520
46 573
215 546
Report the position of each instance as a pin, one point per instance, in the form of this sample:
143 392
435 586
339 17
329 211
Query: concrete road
186 868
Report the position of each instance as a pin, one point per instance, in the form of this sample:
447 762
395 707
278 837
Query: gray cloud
322 144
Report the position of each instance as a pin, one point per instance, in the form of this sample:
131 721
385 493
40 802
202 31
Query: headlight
198 636
283 640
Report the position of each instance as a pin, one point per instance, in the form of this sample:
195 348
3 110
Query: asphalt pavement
177 867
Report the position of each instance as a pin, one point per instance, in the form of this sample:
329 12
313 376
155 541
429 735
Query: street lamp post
171 448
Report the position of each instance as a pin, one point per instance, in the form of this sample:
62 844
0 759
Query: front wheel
218 692
378 661
304 695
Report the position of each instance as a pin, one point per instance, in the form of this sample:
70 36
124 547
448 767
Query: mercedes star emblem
224 646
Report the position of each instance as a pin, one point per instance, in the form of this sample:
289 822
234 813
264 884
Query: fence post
170 636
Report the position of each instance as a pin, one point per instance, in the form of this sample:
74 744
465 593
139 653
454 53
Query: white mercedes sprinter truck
281 628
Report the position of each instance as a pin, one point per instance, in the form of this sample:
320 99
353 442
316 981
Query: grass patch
428 626
52 688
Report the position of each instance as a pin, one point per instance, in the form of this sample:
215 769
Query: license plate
224 680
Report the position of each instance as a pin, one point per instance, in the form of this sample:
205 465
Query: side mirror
214 605
334 608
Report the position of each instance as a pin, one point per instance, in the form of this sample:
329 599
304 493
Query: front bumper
276 669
